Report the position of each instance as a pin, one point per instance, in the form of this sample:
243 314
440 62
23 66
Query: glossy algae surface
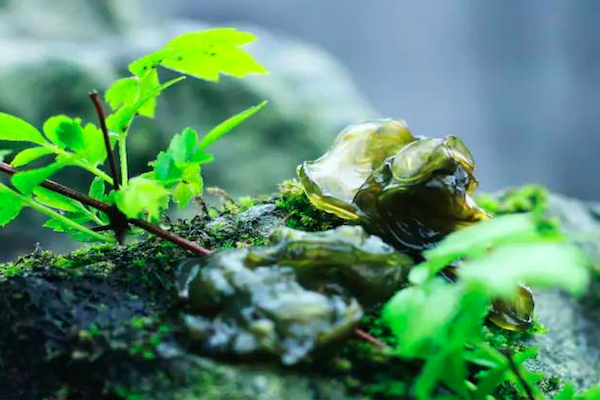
409 191
332 181
302 292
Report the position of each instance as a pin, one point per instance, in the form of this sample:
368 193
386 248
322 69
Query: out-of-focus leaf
418 315
228 125
540 265
58 226
10 205
142 195
120 120
4 153
26 181
56 200
29 155
17 130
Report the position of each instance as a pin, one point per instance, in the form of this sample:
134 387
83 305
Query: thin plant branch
515 370
108 209
362 335
109 153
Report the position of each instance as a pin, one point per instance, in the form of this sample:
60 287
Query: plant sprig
442 323
176 174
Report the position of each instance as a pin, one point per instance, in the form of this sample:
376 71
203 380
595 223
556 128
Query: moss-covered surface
104 322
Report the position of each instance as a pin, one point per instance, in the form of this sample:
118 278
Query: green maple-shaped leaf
204 55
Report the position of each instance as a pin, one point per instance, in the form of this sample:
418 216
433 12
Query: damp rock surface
107 321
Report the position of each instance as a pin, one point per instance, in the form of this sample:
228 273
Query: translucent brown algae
409 191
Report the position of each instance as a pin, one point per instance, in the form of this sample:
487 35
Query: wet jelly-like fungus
409 191
302 292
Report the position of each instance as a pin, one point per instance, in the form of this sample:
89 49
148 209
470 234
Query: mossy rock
105 322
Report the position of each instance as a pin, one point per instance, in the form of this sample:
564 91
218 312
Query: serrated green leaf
126 92
26 181
70 134
540 265
204 55
417 315
58 226
190 186
56 200
97 189
15 129
120 120
4 153
183 146
94 151
165 169
10 205
228 125
56 124
123 91
29 155
475 241
142 195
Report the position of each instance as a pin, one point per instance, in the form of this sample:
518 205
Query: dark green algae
302 292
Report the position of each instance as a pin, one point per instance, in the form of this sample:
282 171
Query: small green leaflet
204 54
29 155
17 130
55 200
4 153
128 91
229 124
87 142
179 167
58 226
541 264
27 181
435 304
140 196
97 189
475 241
10 205
121 119
190 186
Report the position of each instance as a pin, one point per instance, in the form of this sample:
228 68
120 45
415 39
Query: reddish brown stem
64 190
108 209
118 220
170 236
369 338
112 162
515 369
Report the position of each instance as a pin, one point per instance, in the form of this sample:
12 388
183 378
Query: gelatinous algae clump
302 292
409 191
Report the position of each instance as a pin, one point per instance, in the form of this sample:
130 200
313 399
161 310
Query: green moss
523 199
300 214
245 203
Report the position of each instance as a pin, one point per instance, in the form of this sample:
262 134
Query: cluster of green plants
175 175
442 324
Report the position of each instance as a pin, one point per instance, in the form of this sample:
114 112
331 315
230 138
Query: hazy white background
519 81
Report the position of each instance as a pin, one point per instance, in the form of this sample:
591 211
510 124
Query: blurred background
519 82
